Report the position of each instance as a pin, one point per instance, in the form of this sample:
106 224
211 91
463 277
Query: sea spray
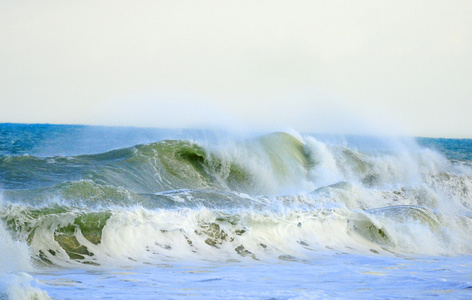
279 198
15 261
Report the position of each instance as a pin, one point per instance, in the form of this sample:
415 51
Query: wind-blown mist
192 111
405 61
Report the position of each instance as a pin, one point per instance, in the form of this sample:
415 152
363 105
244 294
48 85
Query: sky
336 66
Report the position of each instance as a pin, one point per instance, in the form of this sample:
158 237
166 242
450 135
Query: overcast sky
333 66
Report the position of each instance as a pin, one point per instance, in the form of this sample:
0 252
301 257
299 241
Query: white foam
15 261
21 286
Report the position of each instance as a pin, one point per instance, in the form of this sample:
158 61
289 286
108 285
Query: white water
15 261
348 224
328 275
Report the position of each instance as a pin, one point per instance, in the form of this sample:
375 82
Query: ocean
120 213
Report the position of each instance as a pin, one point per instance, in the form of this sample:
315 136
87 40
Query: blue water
109 212
331 276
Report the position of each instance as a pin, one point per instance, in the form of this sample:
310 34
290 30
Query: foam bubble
20 286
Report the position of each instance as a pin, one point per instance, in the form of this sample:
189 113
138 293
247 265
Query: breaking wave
275 197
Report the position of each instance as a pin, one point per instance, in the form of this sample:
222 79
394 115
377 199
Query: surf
277 196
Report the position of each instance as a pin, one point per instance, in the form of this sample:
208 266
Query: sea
90 212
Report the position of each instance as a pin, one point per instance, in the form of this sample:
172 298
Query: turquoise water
107 212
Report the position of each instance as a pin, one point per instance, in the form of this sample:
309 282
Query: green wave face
162 166
398 228
279 154
57 231
247 199
171 165
64 235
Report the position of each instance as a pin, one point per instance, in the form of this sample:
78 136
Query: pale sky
332 66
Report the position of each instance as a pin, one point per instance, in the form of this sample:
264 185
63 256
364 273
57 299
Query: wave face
278 196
